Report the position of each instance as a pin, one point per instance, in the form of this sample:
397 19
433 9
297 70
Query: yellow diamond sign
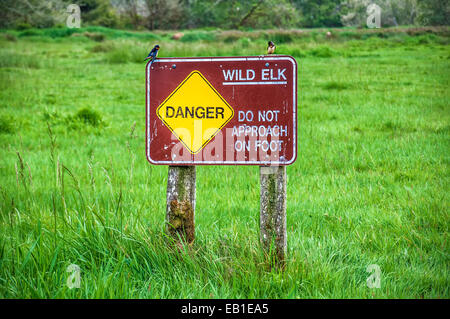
195 112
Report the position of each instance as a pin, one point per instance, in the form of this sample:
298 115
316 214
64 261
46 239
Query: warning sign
195 112
222 111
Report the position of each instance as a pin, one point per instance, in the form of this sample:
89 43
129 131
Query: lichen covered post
180 209
273 213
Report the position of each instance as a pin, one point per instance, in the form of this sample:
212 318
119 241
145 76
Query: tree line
224 14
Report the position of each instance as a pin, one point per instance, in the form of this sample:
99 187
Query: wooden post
180 209
273 212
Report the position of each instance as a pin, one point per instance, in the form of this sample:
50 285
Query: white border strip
261 58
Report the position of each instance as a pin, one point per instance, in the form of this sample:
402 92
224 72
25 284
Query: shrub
280 37
296 53
117 56
335 86
124 53
88 116
198 36
138 54
349 35
5 125
52 117
103 47
59 32
29 33
244 42
10 59
99 37
10 37
23 26
232 38
323 52
427 39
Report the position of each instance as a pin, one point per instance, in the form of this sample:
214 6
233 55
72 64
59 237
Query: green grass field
370 185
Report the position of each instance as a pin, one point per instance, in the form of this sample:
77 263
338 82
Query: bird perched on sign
271 48
152 55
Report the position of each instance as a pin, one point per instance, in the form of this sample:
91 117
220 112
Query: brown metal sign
222 111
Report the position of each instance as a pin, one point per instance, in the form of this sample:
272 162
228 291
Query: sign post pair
223 111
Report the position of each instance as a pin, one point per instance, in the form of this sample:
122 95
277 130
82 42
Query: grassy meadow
370 185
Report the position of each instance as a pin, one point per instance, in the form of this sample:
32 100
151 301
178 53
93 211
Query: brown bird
271 48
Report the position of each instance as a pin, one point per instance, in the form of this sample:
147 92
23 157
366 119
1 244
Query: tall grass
9 59
369 185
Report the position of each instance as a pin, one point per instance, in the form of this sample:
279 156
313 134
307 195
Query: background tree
393 12
319 13
263 15
163 14
434 12
226 14
28 13
130 12
98 12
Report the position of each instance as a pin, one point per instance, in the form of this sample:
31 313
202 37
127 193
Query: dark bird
271 48
152 55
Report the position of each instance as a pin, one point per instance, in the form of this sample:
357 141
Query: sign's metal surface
222 111
195 112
